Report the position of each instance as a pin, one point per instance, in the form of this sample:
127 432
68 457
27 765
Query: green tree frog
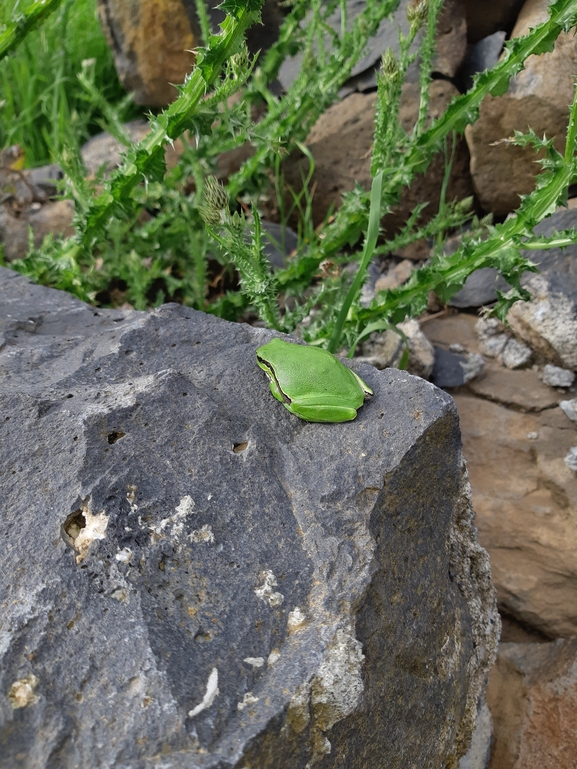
311 382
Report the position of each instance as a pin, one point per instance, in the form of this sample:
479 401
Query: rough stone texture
193 577
490 16
538 98
520 389
524 497
515 441
341 142
557 377
532 694
548 323
151 41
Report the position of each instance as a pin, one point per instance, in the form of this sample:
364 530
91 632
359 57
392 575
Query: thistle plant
159 234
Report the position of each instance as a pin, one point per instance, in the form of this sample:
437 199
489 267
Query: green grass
43 106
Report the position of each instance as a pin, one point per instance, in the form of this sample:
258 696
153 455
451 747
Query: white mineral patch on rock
266 593
124 555
338 686
209 696
248 699
472 366
21 693
296 618
256 662
95 528
204 534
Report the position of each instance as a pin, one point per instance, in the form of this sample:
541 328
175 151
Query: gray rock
557 377
447 369
479 289
472 365
479 753
571 459
570 409
192 577
493 346
516 354
482 56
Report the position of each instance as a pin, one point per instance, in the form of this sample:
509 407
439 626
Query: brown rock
53 217
519 389
524 497
490 16
532 695
538 98
13 235
341 144
152 42
457 328
451 43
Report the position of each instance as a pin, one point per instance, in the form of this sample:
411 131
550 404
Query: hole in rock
74 523
115 436
238 447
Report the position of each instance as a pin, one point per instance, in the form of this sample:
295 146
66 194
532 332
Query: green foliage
15 30
43 104
147 235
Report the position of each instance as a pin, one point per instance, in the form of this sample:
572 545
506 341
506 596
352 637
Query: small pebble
456 348
492 346
472 366
516 354
488 327
532 436
557 377
571 459
570 408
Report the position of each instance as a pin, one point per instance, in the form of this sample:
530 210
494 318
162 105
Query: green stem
16 31
148 154
370 243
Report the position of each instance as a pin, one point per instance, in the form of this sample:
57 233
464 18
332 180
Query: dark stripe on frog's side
272 375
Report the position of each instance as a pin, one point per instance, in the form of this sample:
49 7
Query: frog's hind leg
323 413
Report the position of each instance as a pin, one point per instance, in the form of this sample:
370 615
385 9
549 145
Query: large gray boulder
192 577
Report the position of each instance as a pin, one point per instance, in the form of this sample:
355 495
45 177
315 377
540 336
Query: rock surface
151 41
54 217
193 577
532 694
515 440
341 142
